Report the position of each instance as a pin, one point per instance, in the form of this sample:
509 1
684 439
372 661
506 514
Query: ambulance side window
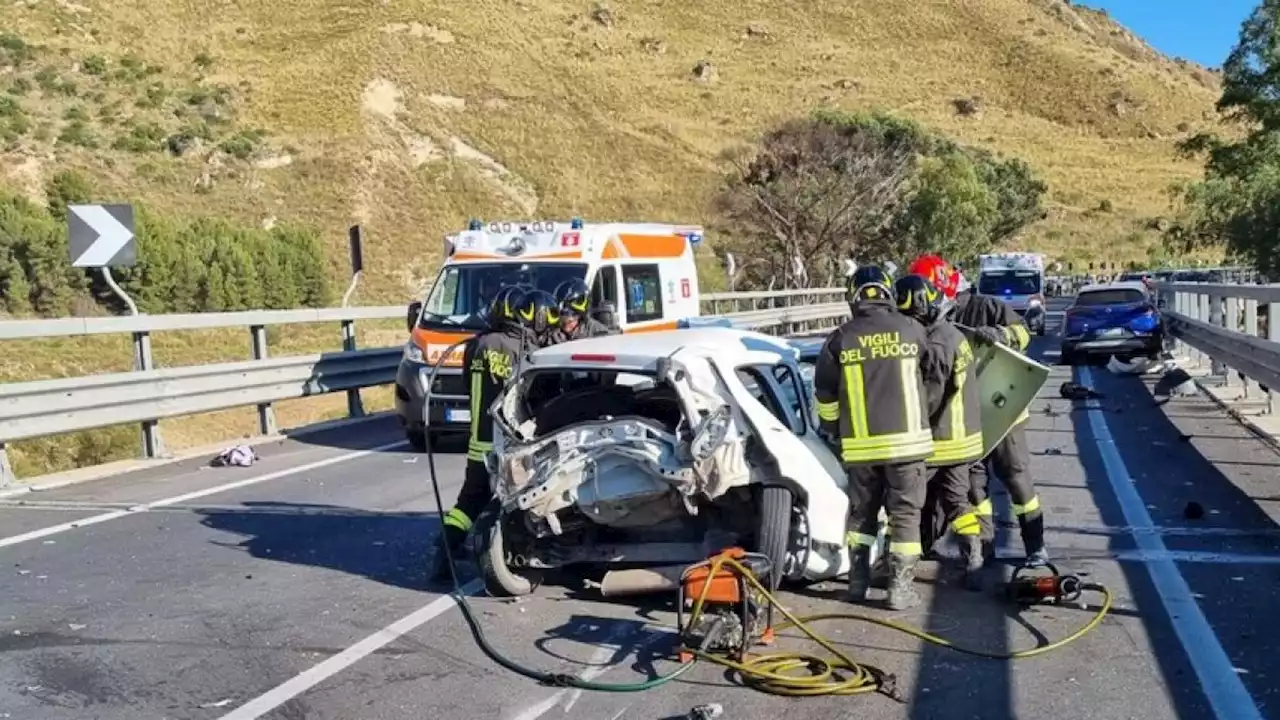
643 287
605 288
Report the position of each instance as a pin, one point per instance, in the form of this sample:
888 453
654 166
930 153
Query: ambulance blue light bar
475 224
575 224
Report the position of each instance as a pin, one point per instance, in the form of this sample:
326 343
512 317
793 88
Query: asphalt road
296 589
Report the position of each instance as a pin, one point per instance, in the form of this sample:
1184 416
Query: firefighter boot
1032 527
859 575
902 578
453 538
972 556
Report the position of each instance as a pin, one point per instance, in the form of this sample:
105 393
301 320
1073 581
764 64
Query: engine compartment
613 449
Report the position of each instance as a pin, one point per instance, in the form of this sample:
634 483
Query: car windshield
1009 282
461 294
1113 296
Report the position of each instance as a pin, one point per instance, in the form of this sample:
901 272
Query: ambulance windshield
462 291
1009 282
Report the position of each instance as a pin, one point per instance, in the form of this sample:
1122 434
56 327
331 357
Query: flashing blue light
575 224
475 224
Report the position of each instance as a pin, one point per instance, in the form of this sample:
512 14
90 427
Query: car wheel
773 533
417 440
500 579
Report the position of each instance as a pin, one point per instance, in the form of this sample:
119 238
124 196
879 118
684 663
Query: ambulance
642 278
1018 279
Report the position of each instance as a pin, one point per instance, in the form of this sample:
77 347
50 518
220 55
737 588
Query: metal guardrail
147 395
1235 327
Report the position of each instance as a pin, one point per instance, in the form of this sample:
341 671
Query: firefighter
490 360
540 314
993 321
573 299
950 380
872 398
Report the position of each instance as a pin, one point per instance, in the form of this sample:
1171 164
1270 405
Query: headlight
412 352
1034 302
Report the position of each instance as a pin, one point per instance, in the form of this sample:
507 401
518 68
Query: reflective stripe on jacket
951 381
869 387
490 360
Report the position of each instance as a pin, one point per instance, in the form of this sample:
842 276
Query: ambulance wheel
500 579
773 533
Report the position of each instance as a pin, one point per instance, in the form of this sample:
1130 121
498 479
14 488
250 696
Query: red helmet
941 273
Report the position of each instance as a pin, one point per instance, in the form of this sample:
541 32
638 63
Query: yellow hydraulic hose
778 673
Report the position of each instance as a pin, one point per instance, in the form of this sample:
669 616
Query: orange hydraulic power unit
726 612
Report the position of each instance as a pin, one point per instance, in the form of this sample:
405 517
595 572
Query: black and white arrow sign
101 235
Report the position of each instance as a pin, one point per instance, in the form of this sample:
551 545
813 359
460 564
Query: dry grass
413 116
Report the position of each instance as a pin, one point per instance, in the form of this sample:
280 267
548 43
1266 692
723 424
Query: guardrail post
152 443
1273 334
1250 329
1233 324
355 408
1201 306
1216 319
7 478
266 413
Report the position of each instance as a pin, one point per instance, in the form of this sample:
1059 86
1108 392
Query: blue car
1116 319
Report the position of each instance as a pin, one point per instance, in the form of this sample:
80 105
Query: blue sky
1199 30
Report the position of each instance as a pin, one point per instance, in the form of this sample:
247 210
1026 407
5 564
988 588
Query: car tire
500 580
417 440
773 533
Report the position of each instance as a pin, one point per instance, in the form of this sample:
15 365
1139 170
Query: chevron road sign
101 235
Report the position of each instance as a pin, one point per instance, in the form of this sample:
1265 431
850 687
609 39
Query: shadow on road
386 547
1168 471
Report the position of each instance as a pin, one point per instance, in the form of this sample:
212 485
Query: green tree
952 211
1237 204
15 289
872 187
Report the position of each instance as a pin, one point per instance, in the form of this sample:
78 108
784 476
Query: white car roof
643 349
1122 285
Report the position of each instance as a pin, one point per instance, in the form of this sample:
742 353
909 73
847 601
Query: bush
94 65
77 133
146 137
196 265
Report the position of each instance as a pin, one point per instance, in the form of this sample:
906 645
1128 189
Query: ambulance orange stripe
654 246
669 325
432 340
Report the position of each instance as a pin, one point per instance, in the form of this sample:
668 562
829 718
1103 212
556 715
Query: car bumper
1131 344
450 408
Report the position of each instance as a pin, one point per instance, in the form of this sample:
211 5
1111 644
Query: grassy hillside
412 116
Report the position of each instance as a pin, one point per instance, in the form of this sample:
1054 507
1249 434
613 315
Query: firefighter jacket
490 360
951 385
869 387
977 311
588 327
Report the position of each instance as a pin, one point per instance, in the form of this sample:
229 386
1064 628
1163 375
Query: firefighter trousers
947 504
472 499
1010 461
900 490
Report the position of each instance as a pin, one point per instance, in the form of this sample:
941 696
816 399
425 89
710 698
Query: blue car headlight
1144 323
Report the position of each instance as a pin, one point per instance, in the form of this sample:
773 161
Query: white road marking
1150 556
317 674
602 654
1227 695
105 517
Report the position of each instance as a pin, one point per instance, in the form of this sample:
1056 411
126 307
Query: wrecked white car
658 449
